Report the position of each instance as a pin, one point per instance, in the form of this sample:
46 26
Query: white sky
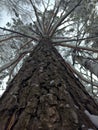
4 18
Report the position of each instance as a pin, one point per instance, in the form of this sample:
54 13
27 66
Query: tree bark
46 95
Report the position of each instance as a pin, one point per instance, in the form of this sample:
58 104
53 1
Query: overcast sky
4 18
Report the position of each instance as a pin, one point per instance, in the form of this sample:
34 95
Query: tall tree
47 94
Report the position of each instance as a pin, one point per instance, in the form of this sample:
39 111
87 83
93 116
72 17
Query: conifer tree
46 93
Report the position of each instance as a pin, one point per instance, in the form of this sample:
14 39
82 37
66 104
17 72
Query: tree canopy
71 25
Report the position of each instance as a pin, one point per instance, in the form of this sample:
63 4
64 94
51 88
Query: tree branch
40 27
43 4
91 65
25 35
56 41
12 62
26 44
62 18
8 38
77 47
53 16
80 76
64 27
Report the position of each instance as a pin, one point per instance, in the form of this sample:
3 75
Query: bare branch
9 64
91 65
43 4
61 29
25 44
55 14
38 20
62 18
80 76
72 40
77 47
53 17
5 39
32 37
12 69
48 4
37 34
65 8
12 62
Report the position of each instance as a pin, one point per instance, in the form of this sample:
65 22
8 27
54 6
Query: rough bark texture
45 95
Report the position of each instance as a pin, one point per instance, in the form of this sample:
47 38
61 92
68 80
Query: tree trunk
46 95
